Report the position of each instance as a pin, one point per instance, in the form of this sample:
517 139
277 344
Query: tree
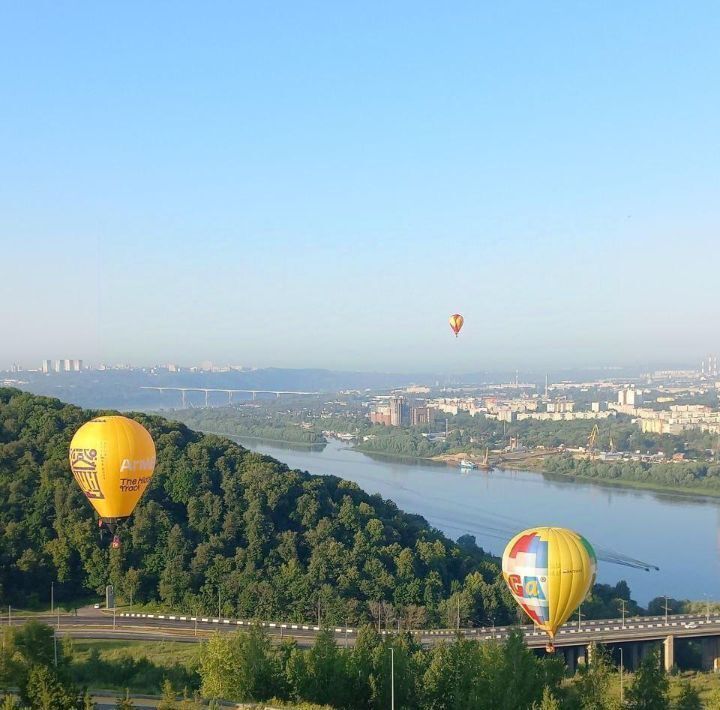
131 584
649 690
34 642
239 666
45 691
168 700
591 684
689 698
520 680
457 676
319 675
360 666
548 702
404 655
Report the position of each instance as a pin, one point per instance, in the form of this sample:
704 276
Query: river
679 534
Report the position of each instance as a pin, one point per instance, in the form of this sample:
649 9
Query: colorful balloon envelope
549 572
456 323
112 459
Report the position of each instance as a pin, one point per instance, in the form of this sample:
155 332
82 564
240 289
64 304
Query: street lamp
392 678
52 597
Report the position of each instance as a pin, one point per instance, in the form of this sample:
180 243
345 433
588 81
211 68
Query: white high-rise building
47 366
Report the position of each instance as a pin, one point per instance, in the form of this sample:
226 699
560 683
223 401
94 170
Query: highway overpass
633 637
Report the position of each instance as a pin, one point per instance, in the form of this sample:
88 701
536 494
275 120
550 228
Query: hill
219 521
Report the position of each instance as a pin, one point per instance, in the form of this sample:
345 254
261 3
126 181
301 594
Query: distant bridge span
229 392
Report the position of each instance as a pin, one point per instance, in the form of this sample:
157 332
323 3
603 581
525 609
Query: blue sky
322 183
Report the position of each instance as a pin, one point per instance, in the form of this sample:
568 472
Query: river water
679 534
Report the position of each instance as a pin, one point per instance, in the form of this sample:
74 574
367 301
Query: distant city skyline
322 185
706 366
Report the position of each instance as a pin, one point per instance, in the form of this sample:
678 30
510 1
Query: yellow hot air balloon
112 459
549 572
456 323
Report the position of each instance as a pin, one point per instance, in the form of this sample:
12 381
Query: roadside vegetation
246 667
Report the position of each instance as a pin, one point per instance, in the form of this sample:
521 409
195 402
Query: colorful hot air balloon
549 572
112 459
456 323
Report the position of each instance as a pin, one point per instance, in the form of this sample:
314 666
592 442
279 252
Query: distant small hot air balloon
456 323
549 572
112 459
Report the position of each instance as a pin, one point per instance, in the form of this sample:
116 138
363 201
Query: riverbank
689 491
534 463
318 445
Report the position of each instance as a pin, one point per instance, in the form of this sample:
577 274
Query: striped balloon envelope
549 572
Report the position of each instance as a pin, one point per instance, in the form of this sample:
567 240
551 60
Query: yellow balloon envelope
456 323
549 572
112 459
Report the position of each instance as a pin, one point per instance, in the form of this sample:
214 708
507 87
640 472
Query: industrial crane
592 439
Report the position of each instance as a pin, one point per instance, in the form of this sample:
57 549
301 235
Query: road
101 624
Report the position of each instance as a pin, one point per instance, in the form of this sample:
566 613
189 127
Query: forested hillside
220 521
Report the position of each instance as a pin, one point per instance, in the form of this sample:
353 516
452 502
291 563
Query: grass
162 653
140 666
65 606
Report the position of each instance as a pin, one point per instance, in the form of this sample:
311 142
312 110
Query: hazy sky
323 183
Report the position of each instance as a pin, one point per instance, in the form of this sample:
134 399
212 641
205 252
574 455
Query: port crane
592 440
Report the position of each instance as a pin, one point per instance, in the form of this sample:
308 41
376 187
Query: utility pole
623 602
622 689
666 610
52 597
114 618
218 602
707 608
458 613
55 646
579 616
392 678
